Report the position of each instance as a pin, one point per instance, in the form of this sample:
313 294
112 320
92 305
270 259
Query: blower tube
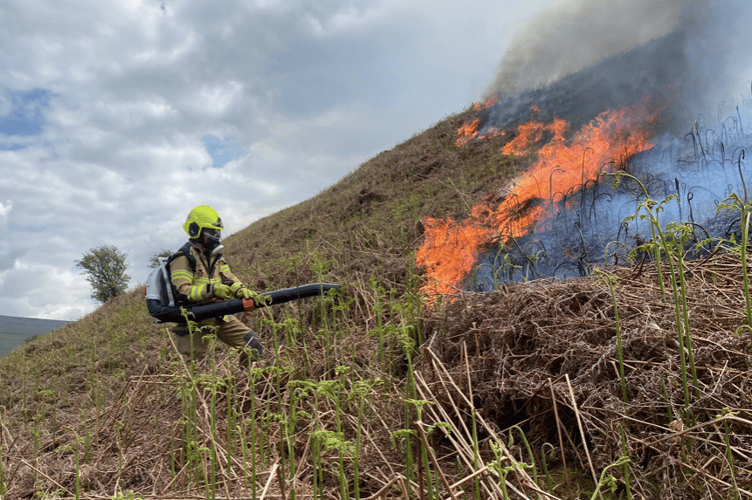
172 314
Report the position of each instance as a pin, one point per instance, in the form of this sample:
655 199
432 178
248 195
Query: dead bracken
543 357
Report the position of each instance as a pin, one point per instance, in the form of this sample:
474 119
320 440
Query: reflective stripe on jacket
195 285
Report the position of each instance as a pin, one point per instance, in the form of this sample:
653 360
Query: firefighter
201 275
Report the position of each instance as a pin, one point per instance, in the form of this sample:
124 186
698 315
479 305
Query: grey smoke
577 34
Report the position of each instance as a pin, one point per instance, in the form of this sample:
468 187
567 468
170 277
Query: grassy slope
370 221
361 232
94 406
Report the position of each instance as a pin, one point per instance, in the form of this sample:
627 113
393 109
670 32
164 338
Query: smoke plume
657 89
715 52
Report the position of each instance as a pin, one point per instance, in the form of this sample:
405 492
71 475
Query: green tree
105 269
153 260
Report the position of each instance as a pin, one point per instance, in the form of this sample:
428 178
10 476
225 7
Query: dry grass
544 356
539 356
104 408
370 223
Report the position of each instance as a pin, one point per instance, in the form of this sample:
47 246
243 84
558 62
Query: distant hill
14 331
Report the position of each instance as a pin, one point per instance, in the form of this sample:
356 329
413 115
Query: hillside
370 222
14 332
626 382
89 390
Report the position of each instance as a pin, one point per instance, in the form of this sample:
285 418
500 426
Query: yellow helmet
202 217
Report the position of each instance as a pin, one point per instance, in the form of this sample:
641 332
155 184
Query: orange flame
450 248
467 131
491 101
533 132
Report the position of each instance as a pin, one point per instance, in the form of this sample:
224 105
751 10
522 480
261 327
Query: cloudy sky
118 116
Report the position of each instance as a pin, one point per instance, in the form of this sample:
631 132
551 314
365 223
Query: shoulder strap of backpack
185 250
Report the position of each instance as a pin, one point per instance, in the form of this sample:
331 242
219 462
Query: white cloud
5 209
218 98
50 292
300 92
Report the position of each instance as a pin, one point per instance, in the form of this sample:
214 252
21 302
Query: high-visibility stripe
197 292
186 275
195 288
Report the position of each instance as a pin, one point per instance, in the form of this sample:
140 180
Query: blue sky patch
10 146
22 112
222 150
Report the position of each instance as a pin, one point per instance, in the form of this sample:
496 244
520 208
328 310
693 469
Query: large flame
469 131
562 166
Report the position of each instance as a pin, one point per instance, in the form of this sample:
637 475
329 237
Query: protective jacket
196 284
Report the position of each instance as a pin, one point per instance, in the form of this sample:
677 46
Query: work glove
240 291
222 292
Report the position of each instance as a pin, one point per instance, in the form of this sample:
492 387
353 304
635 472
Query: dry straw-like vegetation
560 390
544 358
537 363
